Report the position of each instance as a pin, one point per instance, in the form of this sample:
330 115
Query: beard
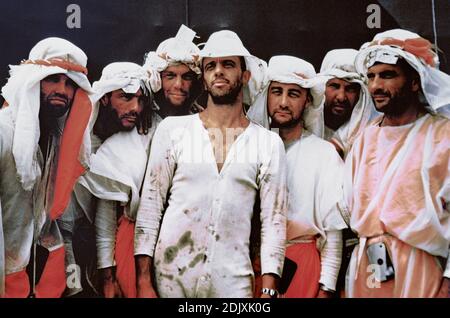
50 111
108 122
287 124
229 97
397 104
334 120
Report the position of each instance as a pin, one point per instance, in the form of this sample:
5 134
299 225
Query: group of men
211 173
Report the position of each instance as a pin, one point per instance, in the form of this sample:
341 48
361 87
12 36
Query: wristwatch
271 292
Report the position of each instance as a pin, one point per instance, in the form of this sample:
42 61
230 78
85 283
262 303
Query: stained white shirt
315 192
195 221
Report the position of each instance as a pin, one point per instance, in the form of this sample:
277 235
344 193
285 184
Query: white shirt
202 249
315 191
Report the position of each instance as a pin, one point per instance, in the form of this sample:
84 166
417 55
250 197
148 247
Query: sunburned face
390 88
223 79
286 103
57 93
126 106
341 97
177 81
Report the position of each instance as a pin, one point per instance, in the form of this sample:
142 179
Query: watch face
270 292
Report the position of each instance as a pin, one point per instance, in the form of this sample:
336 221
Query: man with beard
174 74
397 178
348 107
109 192
43 138
292 101
204 175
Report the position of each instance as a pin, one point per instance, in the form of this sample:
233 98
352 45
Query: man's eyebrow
389 72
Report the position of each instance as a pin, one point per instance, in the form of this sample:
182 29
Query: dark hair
410 73
241 60
243 64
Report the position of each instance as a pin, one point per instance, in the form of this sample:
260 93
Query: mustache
60 96
345 104
381 92
130 114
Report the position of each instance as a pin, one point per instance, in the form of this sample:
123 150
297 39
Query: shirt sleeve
330 195
330 259
105 233
157 183
273 196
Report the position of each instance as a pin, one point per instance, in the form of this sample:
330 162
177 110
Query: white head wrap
227 43
22 93
118 166
173 51
388 46
340 63
129 77
291 70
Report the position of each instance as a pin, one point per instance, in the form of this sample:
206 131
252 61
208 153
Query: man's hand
111 288
324 294
269 281
445 288
145 290
144 284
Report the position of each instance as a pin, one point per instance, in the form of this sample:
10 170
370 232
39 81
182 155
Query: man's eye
209 67
52 79
169 76
228 64
388 74
188 77
334 85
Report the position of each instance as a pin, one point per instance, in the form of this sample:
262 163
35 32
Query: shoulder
320 146
176 121
441 124
264 134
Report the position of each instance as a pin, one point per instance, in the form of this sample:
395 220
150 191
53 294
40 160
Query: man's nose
284 102
133 105
178 82
340 96
375 84
61 88
218 70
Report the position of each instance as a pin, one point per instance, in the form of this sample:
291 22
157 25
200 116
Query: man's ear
246 76
415 84
104 100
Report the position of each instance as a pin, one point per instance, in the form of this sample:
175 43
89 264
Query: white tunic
201 248
315 191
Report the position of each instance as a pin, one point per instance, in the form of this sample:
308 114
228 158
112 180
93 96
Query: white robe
201 248
315 192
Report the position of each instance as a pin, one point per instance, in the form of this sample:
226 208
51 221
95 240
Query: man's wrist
273 293
325 288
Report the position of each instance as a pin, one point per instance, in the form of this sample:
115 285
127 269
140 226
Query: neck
291 134
333 122
166 110
410 115
225 116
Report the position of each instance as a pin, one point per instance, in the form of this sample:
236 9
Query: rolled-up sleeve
157 183
105 233
273 195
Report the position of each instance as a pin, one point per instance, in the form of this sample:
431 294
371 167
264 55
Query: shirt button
203 279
